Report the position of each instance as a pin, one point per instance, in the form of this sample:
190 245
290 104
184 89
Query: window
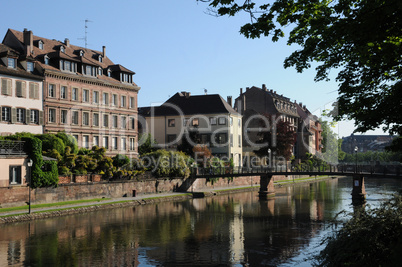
63 92
20 89
221 138
171 122
132 144
62 49
20 115
46 60
204 139
74 117
114 100
195 122
85 141
67 66
114 124
105 142
95 119
222 121
76 137
105 120
34 116
132 102
95 97
132 123
100 71
85 118
114 143
212 121
123 122
185 122
85 95
239 122
95 141
6 114
231 140
231 121
40 45
105 99
171 138
52 115
239 140
34 91
109 73
52 90
30 66
63 116
100 58
11 63
15 175
123 144
123 101
6 86
74 94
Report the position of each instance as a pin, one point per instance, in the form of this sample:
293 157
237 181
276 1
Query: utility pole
86 33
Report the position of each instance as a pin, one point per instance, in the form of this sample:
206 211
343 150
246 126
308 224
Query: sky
174 46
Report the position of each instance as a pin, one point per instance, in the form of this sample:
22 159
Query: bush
163 163
373 237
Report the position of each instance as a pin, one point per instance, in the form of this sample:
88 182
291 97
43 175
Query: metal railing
10 147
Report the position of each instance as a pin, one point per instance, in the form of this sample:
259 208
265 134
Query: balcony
9 147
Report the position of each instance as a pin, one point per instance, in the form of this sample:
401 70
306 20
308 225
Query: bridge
358 172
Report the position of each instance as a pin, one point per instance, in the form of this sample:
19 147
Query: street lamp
269 157
29 164
356 149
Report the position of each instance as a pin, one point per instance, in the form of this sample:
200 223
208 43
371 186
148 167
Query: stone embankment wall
18 195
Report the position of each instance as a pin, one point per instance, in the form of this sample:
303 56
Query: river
227 230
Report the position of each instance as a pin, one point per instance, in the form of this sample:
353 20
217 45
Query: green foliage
331 151
373 156
164 163
373 237
396 145
120 160
147 144
51 142
362 39
191 137
69 141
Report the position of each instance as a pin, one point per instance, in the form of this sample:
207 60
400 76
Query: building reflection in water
228 229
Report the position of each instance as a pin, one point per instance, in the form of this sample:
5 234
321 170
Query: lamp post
269 158
29 164
356 149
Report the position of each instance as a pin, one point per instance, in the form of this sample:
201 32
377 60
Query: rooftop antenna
205 91
86 33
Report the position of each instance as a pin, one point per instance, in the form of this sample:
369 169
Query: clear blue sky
173 46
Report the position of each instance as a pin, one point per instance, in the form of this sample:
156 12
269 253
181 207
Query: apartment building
21 101
84 93
217 123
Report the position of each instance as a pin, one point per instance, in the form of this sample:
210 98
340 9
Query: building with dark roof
309 139
21 102
218 124
85 94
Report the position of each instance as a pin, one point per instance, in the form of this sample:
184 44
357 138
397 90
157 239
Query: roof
51 48
190 105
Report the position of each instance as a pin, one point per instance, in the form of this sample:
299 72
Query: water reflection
233 229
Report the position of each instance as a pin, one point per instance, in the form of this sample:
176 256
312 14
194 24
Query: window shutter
40 117
31 90
36 91
13 115
9 87
27 116
24 89
18 88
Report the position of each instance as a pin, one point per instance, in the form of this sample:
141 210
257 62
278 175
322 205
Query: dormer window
81 53
109 73
62 49
46 60
100 58
40 44
11 63
100 71
30 66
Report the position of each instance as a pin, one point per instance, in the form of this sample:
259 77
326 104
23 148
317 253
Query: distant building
217 123
254 102
21 101
366 143
84 93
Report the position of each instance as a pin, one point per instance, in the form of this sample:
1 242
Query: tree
191 137
147 144
280 140
360 38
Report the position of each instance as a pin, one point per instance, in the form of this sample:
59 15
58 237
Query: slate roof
190 105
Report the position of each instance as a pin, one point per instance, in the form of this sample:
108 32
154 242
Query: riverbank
84 207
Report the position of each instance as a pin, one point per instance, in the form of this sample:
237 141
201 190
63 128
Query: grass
47 205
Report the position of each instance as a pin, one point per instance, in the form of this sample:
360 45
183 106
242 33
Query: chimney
247 88
230 100
301 104
304 107
28 41
264 87
104 51
186 94
67 42
275 92
271 91
241 91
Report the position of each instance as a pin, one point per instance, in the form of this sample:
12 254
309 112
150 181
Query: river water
227 230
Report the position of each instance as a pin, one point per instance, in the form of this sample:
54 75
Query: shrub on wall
163 163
